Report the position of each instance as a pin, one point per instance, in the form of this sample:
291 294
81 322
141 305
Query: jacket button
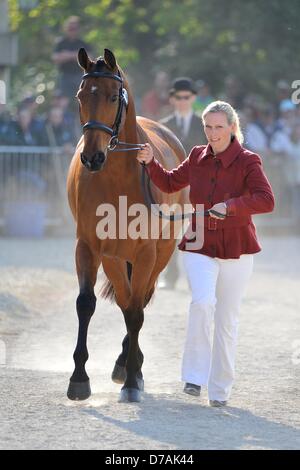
212 180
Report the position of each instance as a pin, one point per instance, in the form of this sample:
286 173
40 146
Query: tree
256 41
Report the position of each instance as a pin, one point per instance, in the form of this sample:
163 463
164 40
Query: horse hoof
118 374
79 390
129 395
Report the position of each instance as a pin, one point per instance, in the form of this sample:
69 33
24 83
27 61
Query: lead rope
151 202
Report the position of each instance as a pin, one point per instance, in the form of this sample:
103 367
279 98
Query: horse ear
110 59
83 59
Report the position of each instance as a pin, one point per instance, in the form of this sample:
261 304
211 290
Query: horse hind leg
119 372
79 386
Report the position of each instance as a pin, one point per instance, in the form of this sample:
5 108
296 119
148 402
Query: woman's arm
261 198
168 181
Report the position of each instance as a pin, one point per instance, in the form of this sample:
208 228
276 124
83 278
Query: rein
151 202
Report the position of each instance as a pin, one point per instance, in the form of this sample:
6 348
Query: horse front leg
134 318
79 387
117 272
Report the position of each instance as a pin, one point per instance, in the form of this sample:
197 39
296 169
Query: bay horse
101 170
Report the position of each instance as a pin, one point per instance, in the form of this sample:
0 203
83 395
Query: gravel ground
38 327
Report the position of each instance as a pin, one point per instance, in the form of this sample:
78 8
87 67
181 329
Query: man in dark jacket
185 124
188 127
65 57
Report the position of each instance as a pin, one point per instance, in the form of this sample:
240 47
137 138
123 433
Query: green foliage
254 40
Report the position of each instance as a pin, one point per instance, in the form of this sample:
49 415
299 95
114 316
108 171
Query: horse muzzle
95 163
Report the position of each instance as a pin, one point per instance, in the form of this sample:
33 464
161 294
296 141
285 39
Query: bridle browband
114 130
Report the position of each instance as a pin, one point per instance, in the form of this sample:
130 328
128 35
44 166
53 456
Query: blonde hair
232 116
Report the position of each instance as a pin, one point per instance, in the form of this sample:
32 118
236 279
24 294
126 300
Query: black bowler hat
183 84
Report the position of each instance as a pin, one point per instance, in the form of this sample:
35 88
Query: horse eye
114 98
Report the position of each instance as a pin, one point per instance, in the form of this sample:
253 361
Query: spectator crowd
271 129
29 128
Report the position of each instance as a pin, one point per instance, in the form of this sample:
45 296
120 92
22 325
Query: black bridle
114 130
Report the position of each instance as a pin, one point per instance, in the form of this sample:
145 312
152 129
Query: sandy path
38 327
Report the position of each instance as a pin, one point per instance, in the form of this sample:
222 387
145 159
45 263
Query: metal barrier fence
38 174
34 175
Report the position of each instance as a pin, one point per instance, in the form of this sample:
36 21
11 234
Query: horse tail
107 290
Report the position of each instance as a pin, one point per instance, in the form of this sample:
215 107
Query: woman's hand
219 207
146 154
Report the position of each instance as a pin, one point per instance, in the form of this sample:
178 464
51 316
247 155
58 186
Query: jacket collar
228 155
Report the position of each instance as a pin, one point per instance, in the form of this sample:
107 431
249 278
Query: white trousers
217 287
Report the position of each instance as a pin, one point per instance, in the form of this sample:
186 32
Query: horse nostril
99 157
85 161
95 162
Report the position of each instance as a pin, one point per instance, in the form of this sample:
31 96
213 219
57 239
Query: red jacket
234 176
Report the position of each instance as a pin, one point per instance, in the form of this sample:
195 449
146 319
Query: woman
230 180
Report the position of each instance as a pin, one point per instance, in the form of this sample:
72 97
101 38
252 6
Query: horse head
102 106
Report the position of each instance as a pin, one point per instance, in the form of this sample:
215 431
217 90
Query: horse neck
129 131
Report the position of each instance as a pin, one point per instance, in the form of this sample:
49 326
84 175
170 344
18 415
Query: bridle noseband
114 130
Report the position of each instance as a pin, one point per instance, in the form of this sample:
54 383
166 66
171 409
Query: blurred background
244 52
